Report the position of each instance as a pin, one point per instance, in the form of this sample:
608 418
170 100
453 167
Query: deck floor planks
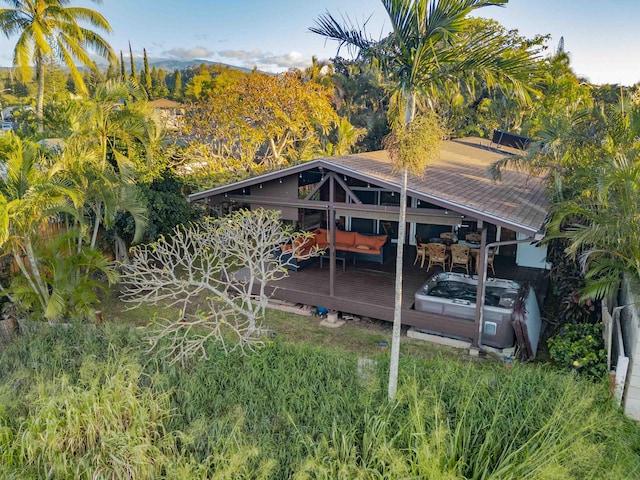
367 289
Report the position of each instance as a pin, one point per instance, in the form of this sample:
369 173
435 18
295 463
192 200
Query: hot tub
454 295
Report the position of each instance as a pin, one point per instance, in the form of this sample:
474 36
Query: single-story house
360 193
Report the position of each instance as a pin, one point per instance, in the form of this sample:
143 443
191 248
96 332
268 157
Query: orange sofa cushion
347 241
373 241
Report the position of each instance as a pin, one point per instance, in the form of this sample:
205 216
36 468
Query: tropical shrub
72 276
580 347
567 283
166 207
576 342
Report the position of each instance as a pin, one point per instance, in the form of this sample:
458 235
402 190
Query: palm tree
117 122
591 156
426 48
115 130
57 278
360 97
345 137
568 130
602 225
30 195
51 28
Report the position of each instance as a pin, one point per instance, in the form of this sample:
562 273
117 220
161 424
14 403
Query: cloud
266 60
242 55
243 58
189 53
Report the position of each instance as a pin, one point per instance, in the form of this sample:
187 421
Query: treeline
157 82
359 91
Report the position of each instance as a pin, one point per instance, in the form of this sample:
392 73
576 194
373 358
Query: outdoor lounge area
349 245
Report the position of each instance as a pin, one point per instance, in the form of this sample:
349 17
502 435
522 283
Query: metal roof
458 180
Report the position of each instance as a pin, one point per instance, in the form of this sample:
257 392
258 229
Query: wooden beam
431 219
350 193
318 186
381 212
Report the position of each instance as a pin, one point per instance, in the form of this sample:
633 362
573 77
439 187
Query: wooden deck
367 289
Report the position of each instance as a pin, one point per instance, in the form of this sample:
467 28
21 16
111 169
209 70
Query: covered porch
367 289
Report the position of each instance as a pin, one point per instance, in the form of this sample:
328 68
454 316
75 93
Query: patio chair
490 257
447 236
421 253
460 257
437 255
473 237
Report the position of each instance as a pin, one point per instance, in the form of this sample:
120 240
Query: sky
602 37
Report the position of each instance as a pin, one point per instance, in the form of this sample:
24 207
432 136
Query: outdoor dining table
474 247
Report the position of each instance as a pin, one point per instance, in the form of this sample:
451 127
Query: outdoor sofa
371 248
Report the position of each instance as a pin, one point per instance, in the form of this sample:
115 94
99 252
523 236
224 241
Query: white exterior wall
528 255
630 324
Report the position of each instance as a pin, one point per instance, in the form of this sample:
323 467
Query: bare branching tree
219 273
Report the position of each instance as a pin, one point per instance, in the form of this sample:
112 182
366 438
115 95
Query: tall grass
81 403
286 396
463 421
105 424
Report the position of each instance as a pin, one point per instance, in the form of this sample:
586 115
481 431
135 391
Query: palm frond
346 33
90 16
22 55
12 22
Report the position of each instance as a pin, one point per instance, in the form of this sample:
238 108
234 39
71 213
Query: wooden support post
332 236
482 275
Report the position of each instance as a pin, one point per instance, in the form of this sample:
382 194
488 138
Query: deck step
428 337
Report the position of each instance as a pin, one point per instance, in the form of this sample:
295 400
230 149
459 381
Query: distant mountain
168 64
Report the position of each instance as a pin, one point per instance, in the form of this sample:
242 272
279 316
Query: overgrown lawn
83 402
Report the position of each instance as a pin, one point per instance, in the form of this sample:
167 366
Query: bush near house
166 206
576 341
580 347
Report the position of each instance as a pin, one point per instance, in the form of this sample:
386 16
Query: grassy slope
297 408
361 337
97 398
